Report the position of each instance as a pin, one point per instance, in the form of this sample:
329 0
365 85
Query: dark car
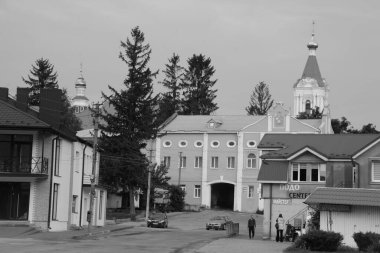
218 222
157 220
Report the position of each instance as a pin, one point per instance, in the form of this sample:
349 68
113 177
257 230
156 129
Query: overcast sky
247 41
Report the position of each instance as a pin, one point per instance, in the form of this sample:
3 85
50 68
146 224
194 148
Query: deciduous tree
261 100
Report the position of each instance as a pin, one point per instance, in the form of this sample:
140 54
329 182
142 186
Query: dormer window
213 123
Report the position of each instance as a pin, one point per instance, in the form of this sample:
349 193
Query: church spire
312 45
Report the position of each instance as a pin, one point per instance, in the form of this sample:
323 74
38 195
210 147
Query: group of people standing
280 225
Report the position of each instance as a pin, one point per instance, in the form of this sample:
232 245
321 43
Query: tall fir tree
260 101
42 76
125 131
170 101
197 84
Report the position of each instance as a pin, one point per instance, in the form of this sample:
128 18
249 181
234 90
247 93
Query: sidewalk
243 245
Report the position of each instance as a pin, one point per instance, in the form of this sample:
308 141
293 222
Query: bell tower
311 90
80 101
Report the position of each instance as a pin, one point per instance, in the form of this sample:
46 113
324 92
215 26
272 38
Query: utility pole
180 167
94 158
150 166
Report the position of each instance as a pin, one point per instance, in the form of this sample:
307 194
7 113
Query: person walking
251 227
280 225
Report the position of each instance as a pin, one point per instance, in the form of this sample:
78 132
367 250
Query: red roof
345 196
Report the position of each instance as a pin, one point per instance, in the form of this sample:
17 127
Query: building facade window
231 144
251 143
250 191
308 172
183 187
166 161
182 144
182 162
231 162
375 171
55 202
74 204
198 144
197 191
251 161
167 144
57 156
16 153
214 162
198 162
215 144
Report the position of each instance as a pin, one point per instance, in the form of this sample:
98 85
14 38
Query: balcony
36 167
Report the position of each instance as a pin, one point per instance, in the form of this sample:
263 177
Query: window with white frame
250 191
197 191
214 162
231 144
166 161
57 156
308 172
231 162
198 162
251 161
182 162
251 143
182 144
167 144
74 208
198 144
183 187
215 144
375 171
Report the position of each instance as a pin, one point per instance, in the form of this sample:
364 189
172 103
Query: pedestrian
280 224
251 227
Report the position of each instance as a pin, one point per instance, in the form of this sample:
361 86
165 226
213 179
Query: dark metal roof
273 171
312 70
344 196
331 146
12 117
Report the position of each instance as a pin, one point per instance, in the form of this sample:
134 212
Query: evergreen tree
125 131
170 101
261 100
42 76
197 84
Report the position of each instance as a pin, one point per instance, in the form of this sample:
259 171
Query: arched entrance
222 196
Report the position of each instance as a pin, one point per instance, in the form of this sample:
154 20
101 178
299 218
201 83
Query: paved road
186 233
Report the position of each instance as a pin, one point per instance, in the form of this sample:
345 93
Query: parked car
218 222
157 220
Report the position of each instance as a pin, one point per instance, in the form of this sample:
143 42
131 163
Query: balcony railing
37 165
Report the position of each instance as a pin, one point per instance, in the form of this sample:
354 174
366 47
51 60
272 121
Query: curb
92 235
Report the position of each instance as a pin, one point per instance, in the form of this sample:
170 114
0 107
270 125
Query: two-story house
295 165
38 180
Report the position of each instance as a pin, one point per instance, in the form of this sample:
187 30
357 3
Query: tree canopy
43 76
197 87
126 130
260 101
343 126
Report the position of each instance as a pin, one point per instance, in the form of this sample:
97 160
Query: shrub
176 199
365 240
319 240
259 211
375 248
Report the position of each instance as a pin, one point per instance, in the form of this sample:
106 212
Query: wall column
206 189
239 173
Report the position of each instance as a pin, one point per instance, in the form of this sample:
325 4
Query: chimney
22 98
4 93
51 107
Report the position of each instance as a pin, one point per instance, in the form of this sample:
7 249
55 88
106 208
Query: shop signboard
282 201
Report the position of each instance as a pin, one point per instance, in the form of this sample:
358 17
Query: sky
248 41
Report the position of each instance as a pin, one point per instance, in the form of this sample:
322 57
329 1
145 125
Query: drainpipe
51 178
358 166
270 211
81 186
